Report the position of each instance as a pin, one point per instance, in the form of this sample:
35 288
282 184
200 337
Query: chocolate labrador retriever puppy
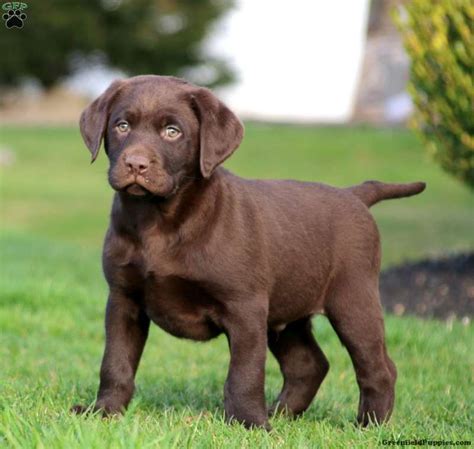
200 252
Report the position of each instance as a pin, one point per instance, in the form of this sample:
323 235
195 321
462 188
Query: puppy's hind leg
302 364
355 312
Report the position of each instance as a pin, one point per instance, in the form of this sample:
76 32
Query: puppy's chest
172 297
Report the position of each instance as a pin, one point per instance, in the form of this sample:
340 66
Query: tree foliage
137 36
439 38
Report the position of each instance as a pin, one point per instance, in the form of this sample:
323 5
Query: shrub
439 39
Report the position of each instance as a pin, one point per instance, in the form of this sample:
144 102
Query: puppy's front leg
244 391
126 328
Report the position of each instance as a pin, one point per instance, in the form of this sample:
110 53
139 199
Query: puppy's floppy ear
220 130
94 119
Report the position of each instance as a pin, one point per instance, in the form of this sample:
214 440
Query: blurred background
336 91
272 62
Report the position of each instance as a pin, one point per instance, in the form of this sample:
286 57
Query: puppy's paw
369 419
104 411
81 409
250 423
279 409
254 425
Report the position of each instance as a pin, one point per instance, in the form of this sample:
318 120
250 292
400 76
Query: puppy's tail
371 192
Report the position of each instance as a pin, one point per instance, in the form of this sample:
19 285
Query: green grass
53 191
54 209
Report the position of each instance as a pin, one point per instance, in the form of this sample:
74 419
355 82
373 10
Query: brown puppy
201 252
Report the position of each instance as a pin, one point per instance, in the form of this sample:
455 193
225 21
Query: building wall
295 61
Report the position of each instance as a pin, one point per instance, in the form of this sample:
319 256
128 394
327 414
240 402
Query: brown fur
200 252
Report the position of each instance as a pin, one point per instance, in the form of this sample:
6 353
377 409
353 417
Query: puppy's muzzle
137 164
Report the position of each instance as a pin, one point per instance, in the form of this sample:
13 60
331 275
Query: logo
14 16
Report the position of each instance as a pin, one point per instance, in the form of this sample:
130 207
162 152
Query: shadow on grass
204 397
198 395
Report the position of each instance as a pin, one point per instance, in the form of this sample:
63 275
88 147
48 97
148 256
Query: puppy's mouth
136 190
139 186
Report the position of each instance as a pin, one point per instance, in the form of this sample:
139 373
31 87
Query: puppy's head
158 132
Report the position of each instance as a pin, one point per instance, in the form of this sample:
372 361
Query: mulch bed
441 288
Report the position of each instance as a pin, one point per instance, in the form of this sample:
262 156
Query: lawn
54 212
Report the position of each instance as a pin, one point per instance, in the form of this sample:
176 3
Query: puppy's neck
189 208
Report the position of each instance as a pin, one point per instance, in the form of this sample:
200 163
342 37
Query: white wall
296 60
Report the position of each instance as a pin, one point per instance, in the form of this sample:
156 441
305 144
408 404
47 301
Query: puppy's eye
123 126
172 132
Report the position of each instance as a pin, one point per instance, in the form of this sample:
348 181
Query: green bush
439 38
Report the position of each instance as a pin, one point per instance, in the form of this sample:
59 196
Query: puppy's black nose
137 164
